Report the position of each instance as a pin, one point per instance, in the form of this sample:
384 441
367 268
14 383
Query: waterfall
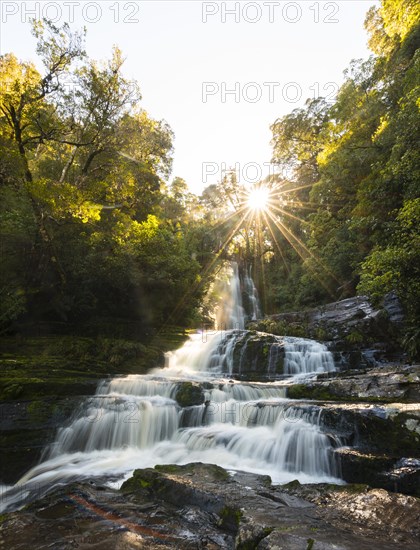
304 356
252 296
231 313
136 422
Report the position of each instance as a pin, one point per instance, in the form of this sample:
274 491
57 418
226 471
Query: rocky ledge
203 506
358 332
387 384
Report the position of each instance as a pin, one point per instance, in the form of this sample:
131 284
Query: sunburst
258 198
260 213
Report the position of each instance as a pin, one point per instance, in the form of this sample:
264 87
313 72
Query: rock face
202 506
387 384
26 427
349 325
374 439
253 356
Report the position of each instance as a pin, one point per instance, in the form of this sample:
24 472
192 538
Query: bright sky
188 55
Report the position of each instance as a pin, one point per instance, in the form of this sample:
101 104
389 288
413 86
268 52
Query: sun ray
276 243
286 231
181 304
293 245
286 213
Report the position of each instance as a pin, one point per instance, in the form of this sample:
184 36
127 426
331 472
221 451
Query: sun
258 199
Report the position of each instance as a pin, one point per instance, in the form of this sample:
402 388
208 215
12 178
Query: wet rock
404 477
189 394
202 506
359 467
389 384
392 430
369 512
350 326
258 356
26 427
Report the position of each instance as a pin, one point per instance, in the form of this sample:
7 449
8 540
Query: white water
304 356
252 293
135 421
231 314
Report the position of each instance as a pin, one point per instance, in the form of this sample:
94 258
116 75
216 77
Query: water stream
135 421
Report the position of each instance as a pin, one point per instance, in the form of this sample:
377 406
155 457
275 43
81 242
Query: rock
202 506
390 430
404 477
253 358
393 384
26 427
358 467
351 325
393 307
189 394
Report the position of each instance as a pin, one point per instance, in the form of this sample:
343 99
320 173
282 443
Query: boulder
189 394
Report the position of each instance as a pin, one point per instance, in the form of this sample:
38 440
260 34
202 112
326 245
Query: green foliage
411 342
355 337
396 265
93 230
90 228
358 163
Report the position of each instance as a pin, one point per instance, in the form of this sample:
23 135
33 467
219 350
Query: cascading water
136 421
252 297
231 313
304 356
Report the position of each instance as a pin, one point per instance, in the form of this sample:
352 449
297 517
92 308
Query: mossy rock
179 489
211 471
230 517
251 356
304 391
141 480
189 394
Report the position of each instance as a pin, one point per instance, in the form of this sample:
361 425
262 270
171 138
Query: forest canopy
93 230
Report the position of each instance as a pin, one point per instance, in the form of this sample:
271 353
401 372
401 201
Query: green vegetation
35 367
357 165
93 239
97 241
230 518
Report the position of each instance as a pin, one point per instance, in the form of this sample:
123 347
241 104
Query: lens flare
258 199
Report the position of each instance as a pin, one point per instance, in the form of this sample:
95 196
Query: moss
355 337
230 518
321 334
217 473
10 391
33 368
295 484
140 480
189 394
170 468
253 543
354 488
311 543
302 391
220 473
